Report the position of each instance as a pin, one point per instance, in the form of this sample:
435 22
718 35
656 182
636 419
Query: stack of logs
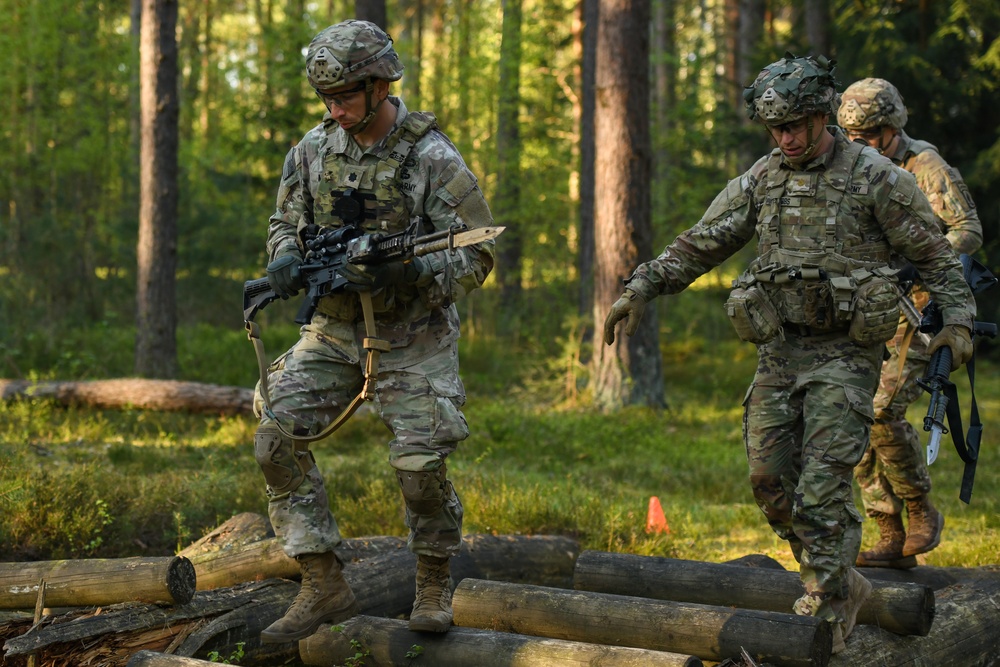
519 601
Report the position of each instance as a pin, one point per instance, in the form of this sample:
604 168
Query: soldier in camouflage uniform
819 303
892 473
371 163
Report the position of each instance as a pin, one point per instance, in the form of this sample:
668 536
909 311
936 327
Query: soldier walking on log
373 164
819 301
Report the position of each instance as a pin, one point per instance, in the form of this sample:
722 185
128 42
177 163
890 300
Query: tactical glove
368 277
630 305
283 274
958 338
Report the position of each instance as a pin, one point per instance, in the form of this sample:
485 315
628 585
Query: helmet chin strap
370 110
807 153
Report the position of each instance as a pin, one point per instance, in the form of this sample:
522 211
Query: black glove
283 275
366 277
908 274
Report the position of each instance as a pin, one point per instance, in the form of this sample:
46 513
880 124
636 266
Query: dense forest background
70 159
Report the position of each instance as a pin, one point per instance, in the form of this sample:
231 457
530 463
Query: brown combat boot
858 590
888 551
325 597
432 609
925 526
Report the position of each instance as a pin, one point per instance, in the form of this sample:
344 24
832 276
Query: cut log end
182 581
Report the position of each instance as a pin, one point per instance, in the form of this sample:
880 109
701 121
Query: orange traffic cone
655 521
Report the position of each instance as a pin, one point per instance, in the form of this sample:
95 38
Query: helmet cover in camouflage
792 88
349 52
871 103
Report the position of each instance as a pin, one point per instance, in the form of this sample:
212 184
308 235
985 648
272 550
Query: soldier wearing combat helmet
819 303
893 474
374 165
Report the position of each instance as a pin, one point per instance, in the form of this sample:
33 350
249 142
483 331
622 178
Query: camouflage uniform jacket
429 181
945 190
880 210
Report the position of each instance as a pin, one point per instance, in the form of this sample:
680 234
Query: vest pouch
876 310
842 294
753 314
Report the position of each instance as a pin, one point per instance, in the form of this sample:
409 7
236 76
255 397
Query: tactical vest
819 265
371 197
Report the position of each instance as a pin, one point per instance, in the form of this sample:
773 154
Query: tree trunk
156 305
507 207
588 70
371 10
97 581
905 609
388 642
818 25
136 393
964 634
710 633
629 371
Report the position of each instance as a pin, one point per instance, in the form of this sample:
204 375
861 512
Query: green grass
103 483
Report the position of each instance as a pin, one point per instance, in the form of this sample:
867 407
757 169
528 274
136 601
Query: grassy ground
77 483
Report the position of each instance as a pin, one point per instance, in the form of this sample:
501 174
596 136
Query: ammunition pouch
753 313
876 307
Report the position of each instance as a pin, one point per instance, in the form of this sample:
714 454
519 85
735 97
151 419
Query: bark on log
97 581
167 395
936 578
964 634
237 531
710 633
905 609
388 641
154 659
219 619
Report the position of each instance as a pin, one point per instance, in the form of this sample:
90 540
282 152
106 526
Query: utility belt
767 302
346 306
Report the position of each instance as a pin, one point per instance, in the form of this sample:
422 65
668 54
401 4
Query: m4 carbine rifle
328 252
944 395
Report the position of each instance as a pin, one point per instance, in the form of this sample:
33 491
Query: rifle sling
372 343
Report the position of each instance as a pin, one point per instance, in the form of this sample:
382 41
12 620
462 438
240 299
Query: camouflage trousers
310 385
893 469
806 422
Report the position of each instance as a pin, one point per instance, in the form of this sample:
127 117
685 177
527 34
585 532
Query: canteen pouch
876 307
753 314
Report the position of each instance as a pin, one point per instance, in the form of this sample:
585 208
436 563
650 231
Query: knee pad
424 492
284 465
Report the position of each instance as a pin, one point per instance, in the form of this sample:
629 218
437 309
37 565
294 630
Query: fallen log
708 632
154 659
902 608
237 531
138 393
964 634
217 620
933 576
388 642
97 581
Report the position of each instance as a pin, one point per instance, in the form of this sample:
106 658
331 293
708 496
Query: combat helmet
871 103
792 88
350 52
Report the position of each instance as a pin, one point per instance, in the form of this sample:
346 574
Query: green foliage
234 657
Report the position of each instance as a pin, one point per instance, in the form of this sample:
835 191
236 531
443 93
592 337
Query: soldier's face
791 137
879 138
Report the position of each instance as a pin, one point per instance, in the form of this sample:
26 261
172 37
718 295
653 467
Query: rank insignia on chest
801 184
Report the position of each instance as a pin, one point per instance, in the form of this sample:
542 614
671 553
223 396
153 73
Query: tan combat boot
325 597
925 526
432 609
888 551
858 590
